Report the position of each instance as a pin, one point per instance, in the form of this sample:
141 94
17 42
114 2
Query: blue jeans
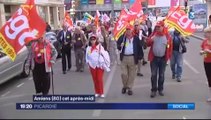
158 65
176 64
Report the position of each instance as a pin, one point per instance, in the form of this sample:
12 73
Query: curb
198 37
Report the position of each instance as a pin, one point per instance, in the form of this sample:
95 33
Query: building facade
52 11
103 6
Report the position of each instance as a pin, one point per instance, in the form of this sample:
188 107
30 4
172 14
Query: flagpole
52 81
112 9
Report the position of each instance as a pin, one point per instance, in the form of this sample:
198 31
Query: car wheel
26 69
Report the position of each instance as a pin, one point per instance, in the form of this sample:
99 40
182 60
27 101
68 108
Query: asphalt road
193 88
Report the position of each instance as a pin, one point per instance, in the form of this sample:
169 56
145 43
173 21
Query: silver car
10 69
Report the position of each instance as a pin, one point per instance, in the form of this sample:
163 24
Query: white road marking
191 67
166 83
20 85
97 113
5 94
30 79
184 117
12 97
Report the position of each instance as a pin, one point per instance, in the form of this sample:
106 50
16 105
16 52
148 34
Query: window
7 8
51 16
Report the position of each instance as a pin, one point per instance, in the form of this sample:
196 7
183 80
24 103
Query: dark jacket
77 38
137 48
60 37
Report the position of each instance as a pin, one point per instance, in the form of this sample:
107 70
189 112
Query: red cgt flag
120 25
25 25
128 17
136 10
179 20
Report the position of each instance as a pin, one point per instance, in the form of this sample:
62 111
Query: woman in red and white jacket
206 51
98 60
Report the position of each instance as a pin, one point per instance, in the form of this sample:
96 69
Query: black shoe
130 92
144 63
153 94
179 80
173 76
124 90
161 93
77 70
38 93
64 72
139 74
81 70
45 93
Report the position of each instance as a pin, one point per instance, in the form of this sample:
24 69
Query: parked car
10 69
51 36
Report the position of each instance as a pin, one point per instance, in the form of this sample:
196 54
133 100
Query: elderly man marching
42 56
160 52
79 43
130 47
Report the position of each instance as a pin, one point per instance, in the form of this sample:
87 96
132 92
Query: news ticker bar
105 106
63 98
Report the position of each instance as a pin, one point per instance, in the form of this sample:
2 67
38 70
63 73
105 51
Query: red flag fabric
179 20
127 17
25 25
174 2
68 21
151 2
121 24
96 21
136 10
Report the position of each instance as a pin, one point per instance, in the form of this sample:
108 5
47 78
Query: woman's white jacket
98 58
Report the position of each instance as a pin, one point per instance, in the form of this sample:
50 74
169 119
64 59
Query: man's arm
54 53
59 36
120 42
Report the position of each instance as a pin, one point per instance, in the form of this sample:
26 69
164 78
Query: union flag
25 25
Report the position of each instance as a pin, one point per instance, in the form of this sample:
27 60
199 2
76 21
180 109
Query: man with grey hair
79 44
160 44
